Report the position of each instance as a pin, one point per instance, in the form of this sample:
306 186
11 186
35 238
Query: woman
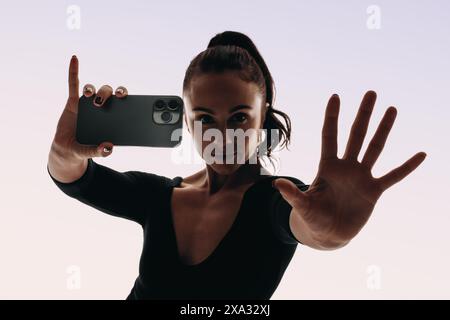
228 231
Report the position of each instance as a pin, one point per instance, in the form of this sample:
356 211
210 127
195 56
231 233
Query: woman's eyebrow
205 109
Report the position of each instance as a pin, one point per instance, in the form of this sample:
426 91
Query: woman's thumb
291 193
104 149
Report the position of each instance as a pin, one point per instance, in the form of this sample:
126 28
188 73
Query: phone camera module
173 105
159 105
166 116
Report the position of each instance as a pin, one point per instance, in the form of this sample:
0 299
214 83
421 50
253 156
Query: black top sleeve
280 211
120 194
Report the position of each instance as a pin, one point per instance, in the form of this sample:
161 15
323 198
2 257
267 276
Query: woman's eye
204 119
240 117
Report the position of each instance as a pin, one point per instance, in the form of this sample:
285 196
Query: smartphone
136 120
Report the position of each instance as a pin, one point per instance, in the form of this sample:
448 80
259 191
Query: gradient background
313 50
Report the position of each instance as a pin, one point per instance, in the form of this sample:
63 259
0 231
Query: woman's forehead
227 89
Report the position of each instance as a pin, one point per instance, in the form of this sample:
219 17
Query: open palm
343 194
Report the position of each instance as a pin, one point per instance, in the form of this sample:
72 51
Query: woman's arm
72 169
121 194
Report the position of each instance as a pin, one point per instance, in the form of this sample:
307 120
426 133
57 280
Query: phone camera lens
159 105
173 105
166 116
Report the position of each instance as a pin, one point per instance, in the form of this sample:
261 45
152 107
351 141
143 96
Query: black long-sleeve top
248 263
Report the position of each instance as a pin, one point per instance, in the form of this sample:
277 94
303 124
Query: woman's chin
225 168
222 167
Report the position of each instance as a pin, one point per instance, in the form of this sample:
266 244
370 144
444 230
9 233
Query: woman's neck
247 173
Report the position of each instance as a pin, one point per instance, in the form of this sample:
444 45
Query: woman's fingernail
98 100
119 90
107 149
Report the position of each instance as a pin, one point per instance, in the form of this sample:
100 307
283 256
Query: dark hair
232 50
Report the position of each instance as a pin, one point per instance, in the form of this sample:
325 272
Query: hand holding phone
146 122
65 145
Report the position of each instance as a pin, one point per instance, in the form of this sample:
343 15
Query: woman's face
220 102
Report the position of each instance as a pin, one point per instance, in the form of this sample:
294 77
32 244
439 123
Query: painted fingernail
98 100
107 149
88 89
119 91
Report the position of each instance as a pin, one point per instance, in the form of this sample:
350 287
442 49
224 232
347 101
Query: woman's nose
229 136
227 140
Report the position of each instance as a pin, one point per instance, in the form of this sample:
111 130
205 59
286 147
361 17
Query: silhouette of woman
227 232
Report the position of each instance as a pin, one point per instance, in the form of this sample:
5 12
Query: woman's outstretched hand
341 198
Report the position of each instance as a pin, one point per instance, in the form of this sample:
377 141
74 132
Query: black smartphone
136 120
